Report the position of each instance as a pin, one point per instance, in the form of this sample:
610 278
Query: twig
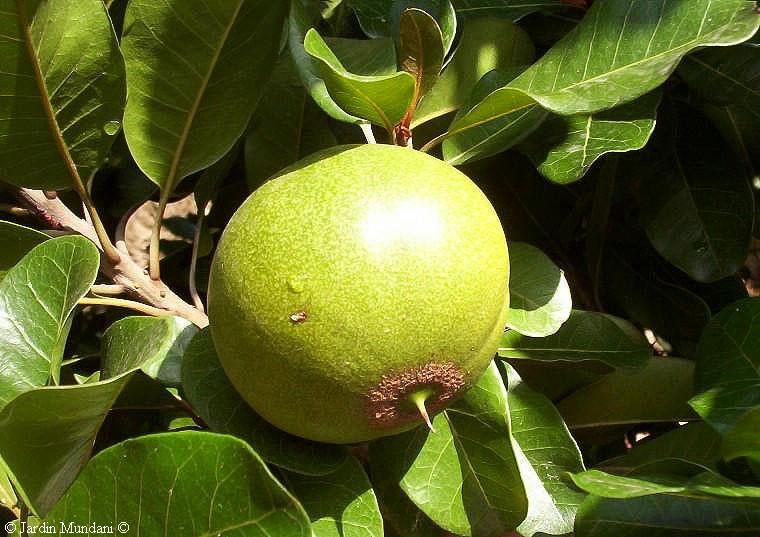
125 272
13 210
121 303
368 134
194 258
108 290
154 261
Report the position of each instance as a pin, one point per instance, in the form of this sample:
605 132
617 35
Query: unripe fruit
362 282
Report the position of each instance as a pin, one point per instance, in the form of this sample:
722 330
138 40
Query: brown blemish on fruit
298 317
387 403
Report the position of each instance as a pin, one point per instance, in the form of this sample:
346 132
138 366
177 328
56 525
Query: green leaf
621 50
586 335
380 18
420 49
698 211
339 504
381 99
725 75
545 451
37 297
15 242
486 44
8 497
539 296
509 9
216 401
302 18
658 392
365 56
401 516
182 484
563 148
728 365
743 440
154 344
664 515
46 436
623 487
695 442
195 73
470 458
61 91
287 126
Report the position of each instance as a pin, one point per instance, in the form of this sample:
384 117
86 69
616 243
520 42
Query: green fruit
359 283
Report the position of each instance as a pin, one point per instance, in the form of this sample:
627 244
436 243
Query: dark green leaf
46 436
586 335
287 126
380 99
695 442
365 56
61 91
15 243
698 210
182 484
195 73
564 147
486 44
509 9
470 459
658 392
621 50
664 515
728 365
339 504
420 49
154 344
743 439
539 296
37 297
213 397
545 450
623 487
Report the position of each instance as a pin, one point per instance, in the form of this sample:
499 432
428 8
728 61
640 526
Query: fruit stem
419 398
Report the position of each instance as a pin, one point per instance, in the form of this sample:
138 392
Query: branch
125 272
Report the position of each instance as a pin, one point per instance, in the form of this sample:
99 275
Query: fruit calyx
408 396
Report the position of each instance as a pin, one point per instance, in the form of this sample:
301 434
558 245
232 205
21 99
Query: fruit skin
352 267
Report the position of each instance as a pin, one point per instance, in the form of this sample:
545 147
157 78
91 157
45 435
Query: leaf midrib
193 112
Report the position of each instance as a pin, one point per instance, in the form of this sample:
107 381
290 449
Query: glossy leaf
216 401
658 392
46 436
539 296
37 297
564 147
287 126
727 376
509 9
339 504
420 49
302 18
695 442
154 344
381 100
380 18
743 440
584 336
62 91
545 451
15 242
620 51
182 484
699 210
664 515
623 487
486 44
470 458
725 75
195 73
